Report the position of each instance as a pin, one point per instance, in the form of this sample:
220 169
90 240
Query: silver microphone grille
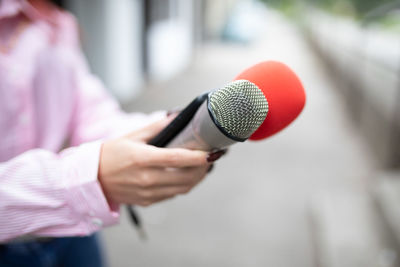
239 107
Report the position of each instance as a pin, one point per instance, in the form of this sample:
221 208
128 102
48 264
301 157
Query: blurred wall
170 37
111 33
128 42
365 59
216 15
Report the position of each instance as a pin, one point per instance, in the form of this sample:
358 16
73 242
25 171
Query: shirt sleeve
47 194
96 113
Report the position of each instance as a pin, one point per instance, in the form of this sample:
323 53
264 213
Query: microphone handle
179 123
201 133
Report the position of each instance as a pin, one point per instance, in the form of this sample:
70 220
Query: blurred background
324 192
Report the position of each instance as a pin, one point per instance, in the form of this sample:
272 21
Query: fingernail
213 156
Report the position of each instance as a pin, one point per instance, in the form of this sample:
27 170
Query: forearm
47 194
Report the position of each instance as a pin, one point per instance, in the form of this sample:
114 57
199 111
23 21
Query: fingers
163 193
159 184
154 195
174 157
146 197
162 177
147 133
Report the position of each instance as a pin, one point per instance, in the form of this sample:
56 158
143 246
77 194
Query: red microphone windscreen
283 91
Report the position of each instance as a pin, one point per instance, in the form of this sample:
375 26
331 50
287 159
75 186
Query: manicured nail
213 156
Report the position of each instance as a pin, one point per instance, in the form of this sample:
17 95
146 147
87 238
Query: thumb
146 133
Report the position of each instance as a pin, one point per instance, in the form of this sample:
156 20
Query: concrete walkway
253 210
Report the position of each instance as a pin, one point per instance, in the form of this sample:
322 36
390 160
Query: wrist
101 177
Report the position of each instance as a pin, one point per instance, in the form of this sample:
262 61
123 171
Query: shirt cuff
86 197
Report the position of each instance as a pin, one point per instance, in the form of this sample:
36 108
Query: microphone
260 102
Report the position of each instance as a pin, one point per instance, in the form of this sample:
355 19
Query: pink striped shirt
48 98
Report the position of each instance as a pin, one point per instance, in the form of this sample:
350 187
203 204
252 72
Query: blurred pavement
253 209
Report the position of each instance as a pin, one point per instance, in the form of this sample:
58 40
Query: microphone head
284 92
238 109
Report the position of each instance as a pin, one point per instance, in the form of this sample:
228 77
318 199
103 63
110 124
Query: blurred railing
366 62
362 228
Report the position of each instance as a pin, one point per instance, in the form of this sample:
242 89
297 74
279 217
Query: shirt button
97 221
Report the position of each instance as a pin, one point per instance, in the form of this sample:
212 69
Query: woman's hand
133 172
